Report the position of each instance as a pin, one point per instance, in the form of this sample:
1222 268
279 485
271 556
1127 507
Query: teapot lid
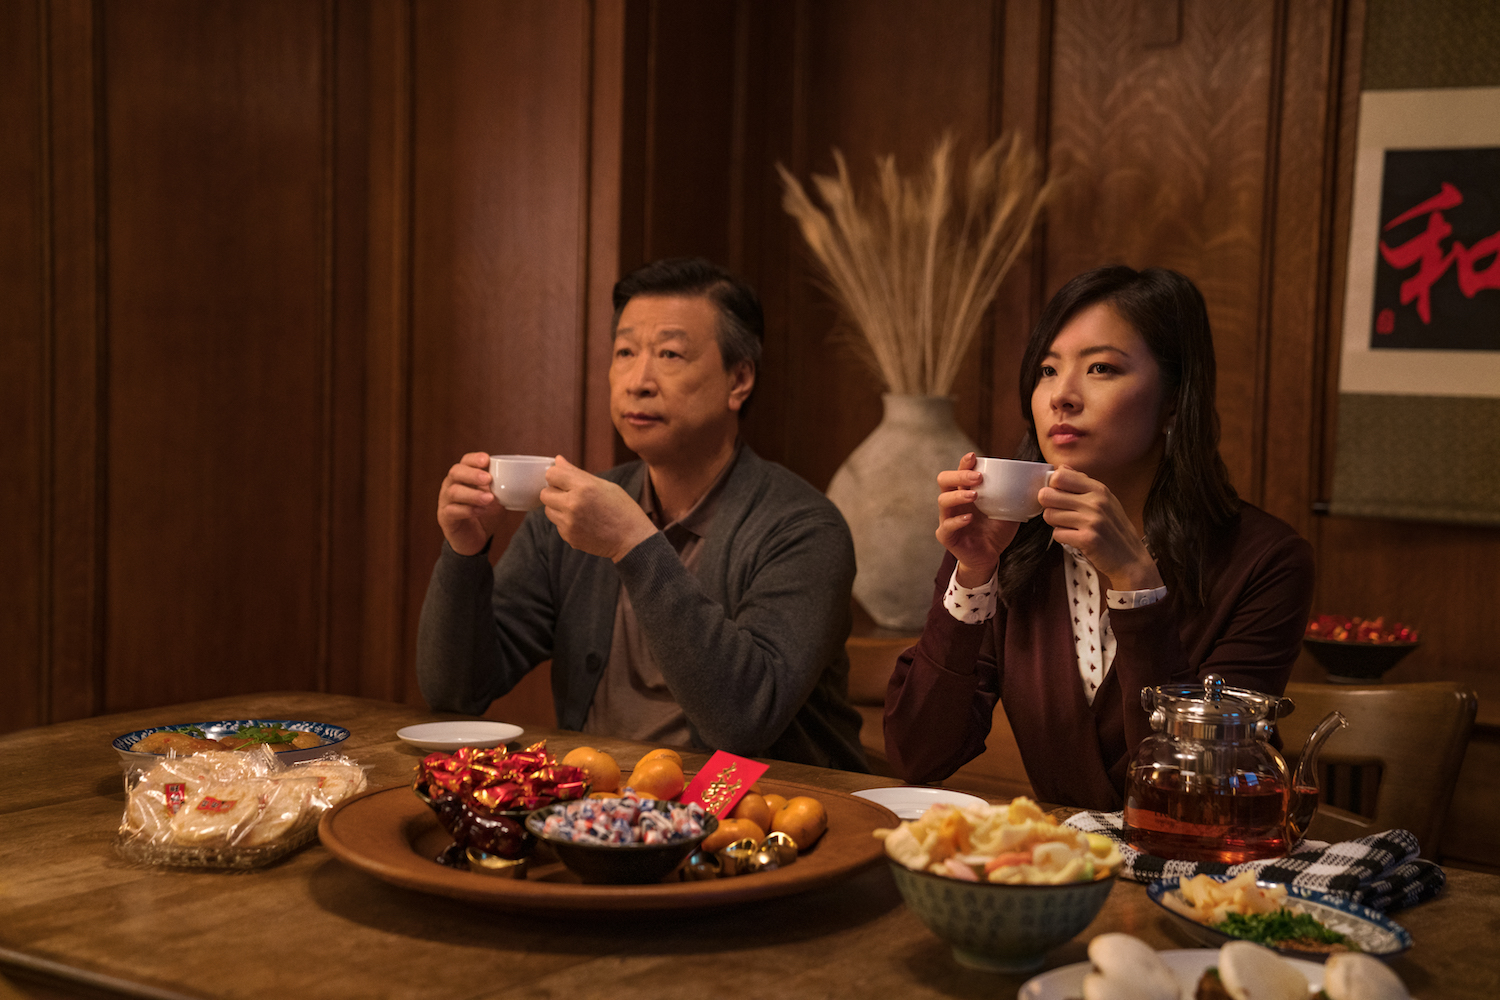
1209 710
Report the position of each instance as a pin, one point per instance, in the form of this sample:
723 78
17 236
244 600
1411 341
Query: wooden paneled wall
25 403
1165 123
1214 138
269 268
869 79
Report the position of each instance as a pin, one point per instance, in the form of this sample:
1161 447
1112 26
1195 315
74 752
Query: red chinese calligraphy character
1470 280
1424 249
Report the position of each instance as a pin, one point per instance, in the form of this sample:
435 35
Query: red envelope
722 782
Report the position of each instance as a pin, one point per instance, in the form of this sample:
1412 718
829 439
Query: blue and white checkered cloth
1381 871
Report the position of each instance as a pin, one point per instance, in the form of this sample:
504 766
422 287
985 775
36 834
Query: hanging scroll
1419 377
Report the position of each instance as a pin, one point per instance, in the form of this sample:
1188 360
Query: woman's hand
1086 515
976 541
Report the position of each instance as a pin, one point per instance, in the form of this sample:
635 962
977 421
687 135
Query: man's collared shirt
632 700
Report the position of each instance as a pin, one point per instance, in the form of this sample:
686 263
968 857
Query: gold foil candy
701 866
494 865
784 846
764 860
735 859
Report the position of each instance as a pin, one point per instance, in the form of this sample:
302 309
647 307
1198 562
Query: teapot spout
1304 795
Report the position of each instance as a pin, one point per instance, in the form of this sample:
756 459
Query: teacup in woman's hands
1010 488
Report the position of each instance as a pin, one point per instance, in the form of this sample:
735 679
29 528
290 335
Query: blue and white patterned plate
1374 932
332 737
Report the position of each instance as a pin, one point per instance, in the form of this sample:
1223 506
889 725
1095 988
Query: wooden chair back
1415 733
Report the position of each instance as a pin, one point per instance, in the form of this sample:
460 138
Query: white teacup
518 480
1009 490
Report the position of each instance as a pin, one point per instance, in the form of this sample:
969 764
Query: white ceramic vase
887 490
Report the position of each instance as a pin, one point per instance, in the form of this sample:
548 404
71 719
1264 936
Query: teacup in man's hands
593 515
467 511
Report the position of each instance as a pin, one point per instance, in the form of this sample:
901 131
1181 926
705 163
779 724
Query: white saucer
911 801
1187 965
450 736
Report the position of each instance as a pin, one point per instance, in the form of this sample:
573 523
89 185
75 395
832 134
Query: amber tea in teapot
1170 818
1207 785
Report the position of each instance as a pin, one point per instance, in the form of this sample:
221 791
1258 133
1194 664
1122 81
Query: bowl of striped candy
630 839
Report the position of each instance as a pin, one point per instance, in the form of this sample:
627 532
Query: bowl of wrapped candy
1357 650
483 796
1000 884
630 839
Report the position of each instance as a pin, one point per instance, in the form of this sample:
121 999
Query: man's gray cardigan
752 646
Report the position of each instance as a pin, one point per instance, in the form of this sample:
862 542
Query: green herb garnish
266 734
1272 929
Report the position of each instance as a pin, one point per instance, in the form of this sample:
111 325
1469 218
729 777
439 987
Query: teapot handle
1157 717
1148 699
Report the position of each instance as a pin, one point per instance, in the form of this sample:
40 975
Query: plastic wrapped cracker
229 809
337 778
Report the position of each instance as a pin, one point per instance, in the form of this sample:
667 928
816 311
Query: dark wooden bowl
1357 662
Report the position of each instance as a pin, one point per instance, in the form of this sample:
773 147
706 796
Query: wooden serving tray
390 834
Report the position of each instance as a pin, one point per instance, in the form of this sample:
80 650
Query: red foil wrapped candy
482 796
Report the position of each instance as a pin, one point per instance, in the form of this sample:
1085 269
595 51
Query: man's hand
1086 515
467 511
593 515
976 541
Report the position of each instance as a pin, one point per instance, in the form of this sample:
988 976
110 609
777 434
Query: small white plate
1187 965
911 801
452 735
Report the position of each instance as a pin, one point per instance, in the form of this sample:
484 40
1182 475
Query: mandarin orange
774 802
731 830
658 779
803 819
603 772
752 807
661 752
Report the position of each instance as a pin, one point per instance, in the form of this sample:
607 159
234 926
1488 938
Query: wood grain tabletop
77 920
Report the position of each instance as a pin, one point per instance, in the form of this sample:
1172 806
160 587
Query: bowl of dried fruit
1357 650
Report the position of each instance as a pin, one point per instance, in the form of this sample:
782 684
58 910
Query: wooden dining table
77 920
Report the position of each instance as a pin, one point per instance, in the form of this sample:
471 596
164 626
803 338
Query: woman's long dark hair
1191 498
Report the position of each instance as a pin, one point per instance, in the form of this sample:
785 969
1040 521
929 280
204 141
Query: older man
697 597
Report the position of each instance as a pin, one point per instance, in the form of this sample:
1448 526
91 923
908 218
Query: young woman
1144 567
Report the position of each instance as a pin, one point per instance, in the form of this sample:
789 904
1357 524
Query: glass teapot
1207 785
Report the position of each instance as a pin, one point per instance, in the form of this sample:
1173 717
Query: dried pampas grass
913 275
